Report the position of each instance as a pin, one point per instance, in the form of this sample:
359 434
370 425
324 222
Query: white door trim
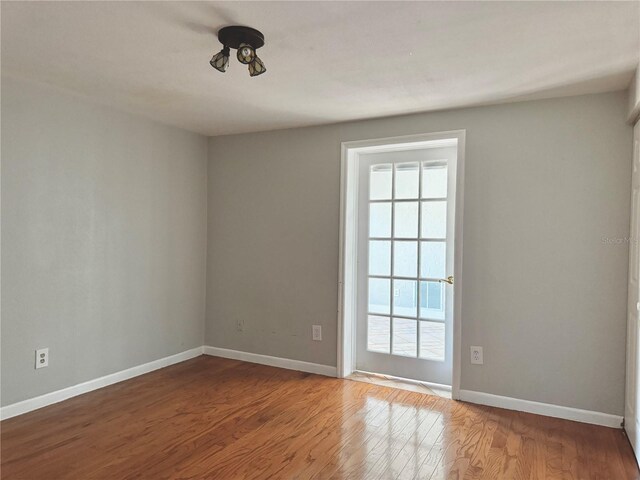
347 288
632 378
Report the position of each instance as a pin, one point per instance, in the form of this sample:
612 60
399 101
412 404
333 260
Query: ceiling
326 61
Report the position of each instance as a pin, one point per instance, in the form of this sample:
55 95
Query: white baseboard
59 395
287 363
547 409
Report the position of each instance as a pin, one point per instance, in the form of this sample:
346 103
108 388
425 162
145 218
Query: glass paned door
405 251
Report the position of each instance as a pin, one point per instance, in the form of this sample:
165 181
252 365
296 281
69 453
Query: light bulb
246 53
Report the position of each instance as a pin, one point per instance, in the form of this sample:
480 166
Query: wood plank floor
212 418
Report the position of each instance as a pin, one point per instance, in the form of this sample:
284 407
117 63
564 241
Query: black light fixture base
235 35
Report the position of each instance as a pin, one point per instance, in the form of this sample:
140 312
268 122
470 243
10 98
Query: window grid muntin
419 239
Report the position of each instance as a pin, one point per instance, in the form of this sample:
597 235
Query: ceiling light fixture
246 41
220 60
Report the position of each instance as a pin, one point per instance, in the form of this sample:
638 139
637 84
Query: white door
633 307
405 263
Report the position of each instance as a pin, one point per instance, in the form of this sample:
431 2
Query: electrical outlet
240 325
476 356
42 358
317 332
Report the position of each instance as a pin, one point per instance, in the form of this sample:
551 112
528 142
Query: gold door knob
448 280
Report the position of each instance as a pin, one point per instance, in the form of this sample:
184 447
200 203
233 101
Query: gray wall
103 240
546 182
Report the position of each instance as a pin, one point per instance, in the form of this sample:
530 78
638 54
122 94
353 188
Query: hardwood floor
212 418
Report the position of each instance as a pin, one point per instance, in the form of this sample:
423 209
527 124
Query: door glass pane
407 180
433 259
378 334
405 259
407 208
434 180
432 340
406 220
380 220
404 298
379 295
432 300
434 219
380 182
379 257
405 337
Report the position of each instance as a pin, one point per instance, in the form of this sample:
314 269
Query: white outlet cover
316 332
477 357
42 358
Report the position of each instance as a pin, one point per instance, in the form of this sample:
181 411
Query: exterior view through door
405 262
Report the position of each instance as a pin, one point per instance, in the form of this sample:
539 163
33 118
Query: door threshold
382 380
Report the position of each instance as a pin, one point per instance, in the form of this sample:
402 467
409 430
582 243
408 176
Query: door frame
632 376
347 274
